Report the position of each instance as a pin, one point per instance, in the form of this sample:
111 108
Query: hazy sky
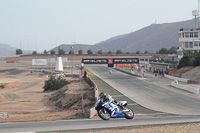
44 24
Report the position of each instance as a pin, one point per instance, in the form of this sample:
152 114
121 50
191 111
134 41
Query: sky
44 24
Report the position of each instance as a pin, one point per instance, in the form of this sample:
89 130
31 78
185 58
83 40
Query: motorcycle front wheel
129 114
104 114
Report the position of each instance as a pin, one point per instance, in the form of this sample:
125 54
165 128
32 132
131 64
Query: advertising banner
125 60
39 62
95 61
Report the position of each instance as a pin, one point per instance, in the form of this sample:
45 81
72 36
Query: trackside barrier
177 78
186 88
92 83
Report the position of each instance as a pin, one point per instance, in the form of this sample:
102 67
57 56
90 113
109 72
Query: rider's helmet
103 96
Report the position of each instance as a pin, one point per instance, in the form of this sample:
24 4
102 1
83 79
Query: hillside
193 74
151 38
76 47
7 51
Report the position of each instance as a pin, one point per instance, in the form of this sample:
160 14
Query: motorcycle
107 110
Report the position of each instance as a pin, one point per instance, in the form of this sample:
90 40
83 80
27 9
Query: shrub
196 61
54 83
2 86
185 61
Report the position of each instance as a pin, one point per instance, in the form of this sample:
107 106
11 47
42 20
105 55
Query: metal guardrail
92 83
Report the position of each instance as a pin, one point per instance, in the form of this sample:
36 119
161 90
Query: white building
189 39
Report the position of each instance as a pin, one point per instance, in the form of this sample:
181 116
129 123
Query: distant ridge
7 51
76 47
150 38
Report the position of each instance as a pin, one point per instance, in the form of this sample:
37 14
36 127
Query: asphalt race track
147 94
14 127
140 91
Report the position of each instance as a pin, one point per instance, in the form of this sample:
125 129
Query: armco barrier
92 83
186 88
177 78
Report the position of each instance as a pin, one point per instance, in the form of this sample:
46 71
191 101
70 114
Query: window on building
191 45
187 35
196 44
195 34
186 45
191 35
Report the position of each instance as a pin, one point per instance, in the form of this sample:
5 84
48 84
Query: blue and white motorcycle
107 110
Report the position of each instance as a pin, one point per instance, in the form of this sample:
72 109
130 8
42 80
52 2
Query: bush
2 86
196 61
185 61
54 83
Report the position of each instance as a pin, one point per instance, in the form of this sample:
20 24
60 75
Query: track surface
147 94
89 124
144 93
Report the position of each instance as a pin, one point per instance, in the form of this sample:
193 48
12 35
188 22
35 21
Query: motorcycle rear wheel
129 114
103 114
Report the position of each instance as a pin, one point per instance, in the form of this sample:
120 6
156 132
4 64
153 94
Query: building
189 39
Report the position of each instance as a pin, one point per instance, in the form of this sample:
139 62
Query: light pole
82 65
71 58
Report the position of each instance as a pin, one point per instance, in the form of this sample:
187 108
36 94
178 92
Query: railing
92 83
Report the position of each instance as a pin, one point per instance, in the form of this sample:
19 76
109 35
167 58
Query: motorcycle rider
107 98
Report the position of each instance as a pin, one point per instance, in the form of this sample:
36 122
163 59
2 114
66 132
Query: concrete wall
186 88
177 78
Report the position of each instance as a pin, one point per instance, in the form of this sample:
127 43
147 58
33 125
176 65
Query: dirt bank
24 100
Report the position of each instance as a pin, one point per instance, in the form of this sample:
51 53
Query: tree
163 51
109 52
185 61
61 51
137 52
18 51
146 52
90 52
45 51
100 52
119 51
71 52
196 61
34 53
53 52
127 52
172 50
80 51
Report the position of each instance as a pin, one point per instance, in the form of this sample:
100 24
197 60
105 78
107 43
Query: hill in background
7 51
151 38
